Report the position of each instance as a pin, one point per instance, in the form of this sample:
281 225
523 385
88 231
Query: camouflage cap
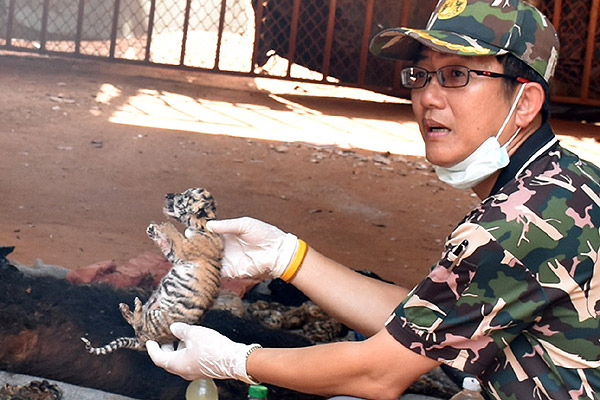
477 28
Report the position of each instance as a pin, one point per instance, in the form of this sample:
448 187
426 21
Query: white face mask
488 158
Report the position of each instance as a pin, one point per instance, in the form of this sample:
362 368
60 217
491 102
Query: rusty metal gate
312 40
577 22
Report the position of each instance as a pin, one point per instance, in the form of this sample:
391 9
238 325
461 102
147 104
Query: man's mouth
438 129
435 129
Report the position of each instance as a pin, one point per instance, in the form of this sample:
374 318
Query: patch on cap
451 8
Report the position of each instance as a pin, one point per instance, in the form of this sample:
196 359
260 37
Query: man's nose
432 94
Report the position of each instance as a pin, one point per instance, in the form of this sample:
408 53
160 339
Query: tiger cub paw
126 312
153 231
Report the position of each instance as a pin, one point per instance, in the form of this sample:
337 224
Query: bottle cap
259 391
472 384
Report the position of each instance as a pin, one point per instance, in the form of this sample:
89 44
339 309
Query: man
514 299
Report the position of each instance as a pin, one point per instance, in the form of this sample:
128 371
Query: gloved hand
203 353
255 249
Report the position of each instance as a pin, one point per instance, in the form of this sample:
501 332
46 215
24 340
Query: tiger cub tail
119 343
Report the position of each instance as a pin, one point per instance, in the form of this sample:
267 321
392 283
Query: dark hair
515 67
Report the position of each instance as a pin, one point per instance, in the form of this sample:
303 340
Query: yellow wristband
294 266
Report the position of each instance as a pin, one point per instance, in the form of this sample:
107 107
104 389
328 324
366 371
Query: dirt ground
89 149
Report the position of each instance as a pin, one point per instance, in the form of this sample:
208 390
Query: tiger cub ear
203 205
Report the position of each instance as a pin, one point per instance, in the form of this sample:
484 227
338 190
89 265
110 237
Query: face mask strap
512 138
512 109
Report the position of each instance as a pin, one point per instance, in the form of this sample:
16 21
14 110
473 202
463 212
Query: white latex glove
253 249
203 353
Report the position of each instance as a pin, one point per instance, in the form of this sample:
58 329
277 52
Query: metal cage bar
220 33
9 23
329 38
79 28
44 27
186 27
293 36
364 48
150 30
114 27
260 6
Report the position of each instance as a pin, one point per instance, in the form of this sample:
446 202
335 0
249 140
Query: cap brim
403 43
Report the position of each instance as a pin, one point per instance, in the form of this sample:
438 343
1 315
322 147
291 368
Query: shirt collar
535 145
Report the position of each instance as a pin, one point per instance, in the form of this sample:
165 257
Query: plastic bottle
471 390
257 392
202 389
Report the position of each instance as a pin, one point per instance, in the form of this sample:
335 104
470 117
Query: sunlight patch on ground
286 121
586 148
276 86
106 93
289 121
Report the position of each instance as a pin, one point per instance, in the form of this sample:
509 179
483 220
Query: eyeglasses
450 76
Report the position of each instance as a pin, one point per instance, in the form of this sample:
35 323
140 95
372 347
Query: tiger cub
191 285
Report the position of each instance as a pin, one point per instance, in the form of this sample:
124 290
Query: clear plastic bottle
471 390
202 389
257 392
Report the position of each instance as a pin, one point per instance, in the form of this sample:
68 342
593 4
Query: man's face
455 121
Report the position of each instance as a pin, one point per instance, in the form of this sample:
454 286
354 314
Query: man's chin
440 161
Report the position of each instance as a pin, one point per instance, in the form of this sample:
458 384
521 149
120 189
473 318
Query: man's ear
530 104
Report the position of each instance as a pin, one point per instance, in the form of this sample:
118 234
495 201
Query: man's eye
457 72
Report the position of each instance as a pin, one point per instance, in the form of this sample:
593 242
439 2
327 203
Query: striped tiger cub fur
191 285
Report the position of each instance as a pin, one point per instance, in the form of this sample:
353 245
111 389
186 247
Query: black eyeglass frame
438 74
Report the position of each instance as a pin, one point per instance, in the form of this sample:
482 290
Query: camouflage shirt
515 297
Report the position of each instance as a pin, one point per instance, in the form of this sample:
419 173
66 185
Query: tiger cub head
192 208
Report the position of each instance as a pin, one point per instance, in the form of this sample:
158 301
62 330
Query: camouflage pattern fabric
515 298
478 28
